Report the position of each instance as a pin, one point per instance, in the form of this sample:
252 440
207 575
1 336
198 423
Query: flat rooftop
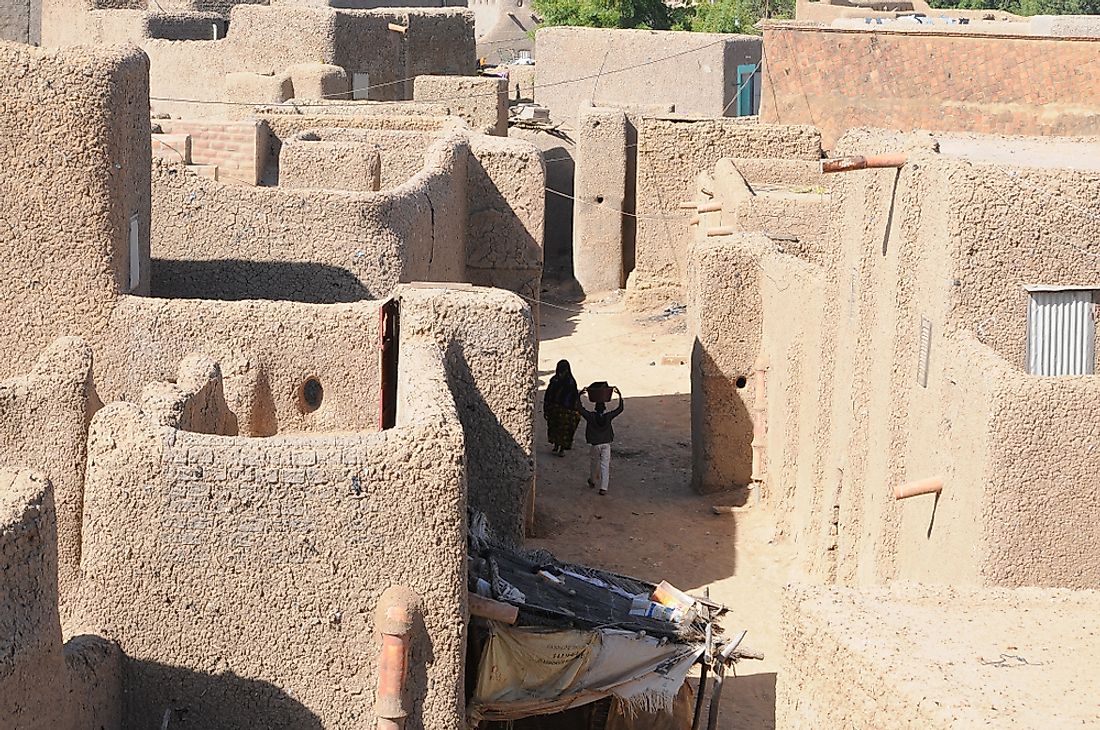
940 656
1068 153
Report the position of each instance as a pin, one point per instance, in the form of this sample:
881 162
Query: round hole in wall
599 199
311 395
741 381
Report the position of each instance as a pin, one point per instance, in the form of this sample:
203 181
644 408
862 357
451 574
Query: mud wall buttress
78 127
490 346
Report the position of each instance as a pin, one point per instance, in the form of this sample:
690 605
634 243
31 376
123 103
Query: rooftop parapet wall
315 246
406 131
276 41
671 152
194 401
288 543
266 352
1006 85
903 646
401 153
310 161
481 100
695 72
44 424
77 126
44 686
239 149
33 688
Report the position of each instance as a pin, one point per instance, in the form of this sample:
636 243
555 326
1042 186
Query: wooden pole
505 613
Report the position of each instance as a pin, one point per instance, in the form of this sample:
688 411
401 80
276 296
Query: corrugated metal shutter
1061 333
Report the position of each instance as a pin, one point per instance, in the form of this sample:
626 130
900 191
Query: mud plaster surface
991 658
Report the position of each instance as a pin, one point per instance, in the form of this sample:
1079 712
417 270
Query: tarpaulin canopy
534 671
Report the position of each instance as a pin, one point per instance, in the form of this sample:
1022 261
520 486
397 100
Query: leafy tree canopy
1024 7
740 16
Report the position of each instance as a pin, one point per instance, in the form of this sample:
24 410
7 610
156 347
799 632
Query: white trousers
600 465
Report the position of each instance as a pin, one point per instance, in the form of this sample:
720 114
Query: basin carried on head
599 392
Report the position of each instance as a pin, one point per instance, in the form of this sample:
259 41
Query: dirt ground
652 525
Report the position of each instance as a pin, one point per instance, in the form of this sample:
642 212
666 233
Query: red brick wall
237 148
839 79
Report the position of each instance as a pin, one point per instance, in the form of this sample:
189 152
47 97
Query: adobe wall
407 131
880 347
457 206
725 314
1007 85
506 199
490 345
311 160
481 100
93 156
599 191
1048 542
401 152
20 21
273 42
1030 211
756 199
44 424
931 657
266 351
310 245
671 152
32 669
694 72
316 525
94 667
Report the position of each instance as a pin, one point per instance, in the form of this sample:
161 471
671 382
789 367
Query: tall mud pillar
600 189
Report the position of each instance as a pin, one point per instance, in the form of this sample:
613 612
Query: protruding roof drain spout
394 618
858 162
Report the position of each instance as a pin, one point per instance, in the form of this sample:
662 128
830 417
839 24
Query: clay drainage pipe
846 164
394 618
932 485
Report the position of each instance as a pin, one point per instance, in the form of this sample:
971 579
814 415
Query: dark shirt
598 428
562 391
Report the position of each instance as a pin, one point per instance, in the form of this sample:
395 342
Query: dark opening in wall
311 395
599 199
741 381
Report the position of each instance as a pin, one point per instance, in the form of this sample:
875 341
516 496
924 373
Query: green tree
1024 7
652 14
735 16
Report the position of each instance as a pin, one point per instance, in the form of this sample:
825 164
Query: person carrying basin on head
598 431
559 408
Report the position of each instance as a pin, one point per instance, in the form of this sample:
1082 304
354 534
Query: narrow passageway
652 525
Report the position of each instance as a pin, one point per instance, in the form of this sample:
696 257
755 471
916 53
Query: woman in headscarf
559 408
